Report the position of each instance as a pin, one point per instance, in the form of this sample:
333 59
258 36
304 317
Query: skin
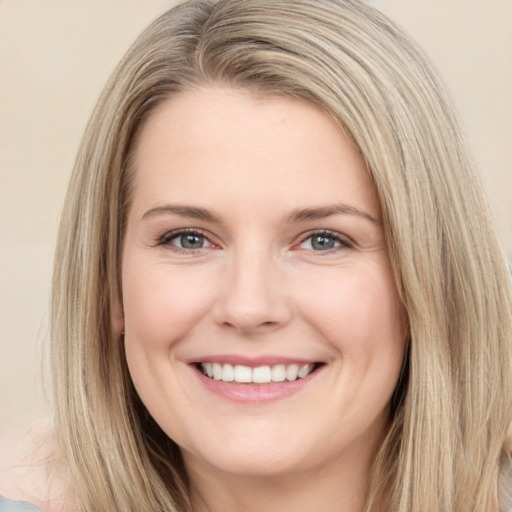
260 285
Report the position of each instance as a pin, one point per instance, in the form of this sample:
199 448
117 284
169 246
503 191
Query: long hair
452 408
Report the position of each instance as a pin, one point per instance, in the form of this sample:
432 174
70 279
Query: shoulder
16 506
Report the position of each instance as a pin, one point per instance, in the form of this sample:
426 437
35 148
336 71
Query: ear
117 312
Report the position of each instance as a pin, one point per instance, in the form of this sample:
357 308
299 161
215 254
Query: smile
257 375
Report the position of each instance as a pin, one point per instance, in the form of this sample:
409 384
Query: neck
329 488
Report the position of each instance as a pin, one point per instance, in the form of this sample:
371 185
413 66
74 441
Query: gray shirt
16 506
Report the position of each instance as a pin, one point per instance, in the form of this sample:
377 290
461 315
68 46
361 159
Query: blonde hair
452 408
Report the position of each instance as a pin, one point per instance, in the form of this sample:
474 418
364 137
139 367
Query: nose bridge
253 297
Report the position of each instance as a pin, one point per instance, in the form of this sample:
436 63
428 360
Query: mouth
264 374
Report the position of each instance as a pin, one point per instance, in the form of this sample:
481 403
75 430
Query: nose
252 300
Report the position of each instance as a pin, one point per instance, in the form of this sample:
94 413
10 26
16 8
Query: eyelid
165 239
344 241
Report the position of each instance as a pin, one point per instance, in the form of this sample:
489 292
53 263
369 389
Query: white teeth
208 368
292 372
217 371
258 375
278 373
261 374
243 373
228 373
305 370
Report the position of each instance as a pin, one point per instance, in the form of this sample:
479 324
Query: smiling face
263 329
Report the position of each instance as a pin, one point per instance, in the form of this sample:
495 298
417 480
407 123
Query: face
262 325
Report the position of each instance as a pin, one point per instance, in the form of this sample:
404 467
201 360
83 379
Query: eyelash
168 237
343 241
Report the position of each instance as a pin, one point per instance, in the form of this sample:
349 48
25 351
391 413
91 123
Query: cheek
359 313
354 299
161 305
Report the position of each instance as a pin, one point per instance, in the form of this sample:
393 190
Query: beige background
55 56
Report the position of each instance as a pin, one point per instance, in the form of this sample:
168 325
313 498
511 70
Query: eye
189 239
324 241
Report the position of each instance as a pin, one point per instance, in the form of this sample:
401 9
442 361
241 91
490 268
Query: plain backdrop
55 56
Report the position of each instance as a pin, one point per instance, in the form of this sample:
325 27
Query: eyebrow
308 214
297 215
191 212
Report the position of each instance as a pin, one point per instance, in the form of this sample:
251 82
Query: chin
256 465
263 458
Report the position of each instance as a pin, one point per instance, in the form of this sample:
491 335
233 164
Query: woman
276 283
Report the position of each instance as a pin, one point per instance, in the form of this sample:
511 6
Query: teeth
258 375
278 373
304 371
228 373
217 371
243 373
292 372
262 374
208 369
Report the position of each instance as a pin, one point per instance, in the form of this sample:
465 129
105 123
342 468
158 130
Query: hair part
453 411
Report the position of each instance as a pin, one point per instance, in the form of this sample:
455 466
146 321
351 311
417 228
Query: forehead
225 142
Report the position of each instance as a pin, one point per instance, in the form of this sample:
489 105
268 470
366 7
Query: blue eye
189 241
324 241
185 240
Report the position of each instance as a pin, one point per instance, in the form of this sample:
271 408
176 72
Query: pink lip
252 361
254 393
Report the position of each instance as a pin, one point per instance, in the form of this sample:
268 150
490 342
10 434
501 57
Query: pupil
191 241
322 243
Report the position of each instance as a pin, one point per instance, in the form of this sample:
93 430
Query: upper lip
252 361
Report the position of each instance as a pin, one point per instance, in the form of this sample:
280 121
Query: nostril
251 301
249 325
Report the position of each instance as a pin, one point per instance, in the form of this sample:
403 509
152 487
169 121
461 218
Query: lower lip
255 393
